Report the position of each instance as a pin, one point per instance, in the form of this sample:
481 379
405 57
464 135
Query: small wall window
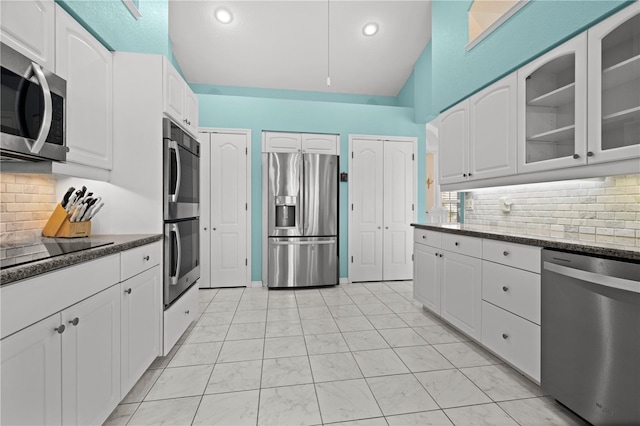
487 15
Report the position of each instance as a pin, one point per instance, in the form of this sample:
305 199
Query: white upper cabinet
614 87
180 103
28 26
493 128
454 144
300 142
552 110
320 144
87 66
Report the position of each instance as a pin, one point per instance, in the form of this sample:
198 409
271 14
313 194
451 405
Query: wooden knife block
59 225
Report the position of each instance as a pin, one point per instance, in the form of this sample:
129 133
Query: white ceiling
283 44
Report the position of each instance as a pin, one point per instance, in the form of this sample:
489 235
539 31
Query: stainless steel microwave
33 110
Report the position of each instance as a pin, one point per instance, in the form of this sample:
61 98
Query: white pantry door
398 210
228 207
366 209
382 194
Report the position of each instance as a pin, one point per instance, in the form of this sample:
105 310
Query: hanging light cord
328 45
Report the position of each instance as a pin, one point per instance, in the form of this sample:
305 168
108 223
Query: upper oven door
181 176
33 110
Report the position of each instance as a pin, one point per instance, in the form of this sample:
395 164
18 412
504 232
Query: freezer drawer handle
603 280
302 243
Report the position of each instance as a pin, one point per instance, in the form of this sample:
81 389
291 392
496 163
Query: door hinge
351 154
246 262
246 206
412 258
412 207
351 259
246 151
352 207
413 157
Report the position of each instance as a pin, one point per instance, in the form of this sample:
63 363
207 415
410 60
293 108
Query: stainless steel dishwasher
591 336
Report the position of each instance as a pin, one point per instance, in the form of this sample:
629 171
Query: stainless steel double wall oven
181 211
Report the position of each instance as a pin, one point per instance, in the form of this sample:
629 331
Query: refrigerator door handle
302 243
302 220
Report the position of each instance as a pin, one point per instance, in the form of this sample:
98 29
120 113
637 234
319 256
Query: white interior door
398 210
228 208
367 164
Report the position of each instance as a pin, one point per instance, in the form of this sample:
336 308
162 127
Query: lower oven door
181 258
303 262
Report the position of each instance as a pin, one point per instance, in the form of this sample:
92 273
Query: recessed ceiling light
223 15
370 29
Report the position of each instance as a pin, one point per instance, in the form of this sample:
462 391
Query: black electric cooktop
20 253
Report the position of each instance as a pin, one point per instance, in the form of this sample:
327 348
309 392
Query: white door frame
350 201
247 133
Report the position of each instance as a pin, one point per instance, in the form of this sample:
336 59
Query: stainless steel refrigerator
300 207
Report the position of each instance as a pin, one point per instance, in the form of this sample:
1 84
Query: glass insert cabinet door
614 87
552 121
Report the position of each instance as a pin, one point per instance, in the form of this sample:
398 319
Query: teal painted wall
260 114
537 27
301 95
406 95
423 91
111 22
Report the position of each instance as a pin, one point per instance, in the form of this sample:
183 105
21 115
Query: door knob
146 258
505 253
505 288
505 336
386 227
60 329
128 291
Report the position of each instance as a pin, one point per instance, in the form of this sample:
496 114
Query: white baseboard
256 284
344 280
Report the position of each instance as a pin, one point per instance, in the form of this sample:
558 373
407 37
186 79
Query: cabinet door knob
437 254
589 154
205 228
146 258
457 243
505 253
379 227
424 237
441 255
505 288
60 329
505 336
464 175
576 156
214 229
386 227
186 312
470 175
128 291
75 321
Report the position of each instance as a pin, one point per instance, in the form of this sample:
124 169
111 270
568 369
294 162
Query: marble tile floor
355 354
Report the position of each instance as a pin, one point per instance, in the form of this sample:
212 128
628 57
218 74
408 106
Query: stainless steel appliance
33 110
181 173
591 336
181 211
301 210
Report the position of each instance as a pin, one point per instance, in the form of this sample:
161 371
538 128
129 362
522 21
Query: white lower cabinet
513 338
140 329
426 281
32 375
91 358
462 292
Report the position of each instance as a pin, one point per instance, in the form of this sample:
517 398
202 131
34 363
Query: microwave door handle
48 110
176 231
174 197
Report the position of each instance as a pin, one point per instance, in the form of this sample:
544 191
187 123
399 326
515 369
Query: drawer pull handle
128 291
505 288
75 321
60 329
441 255
146 258
424 237
457 243
436 254
505 336
186 312
505 253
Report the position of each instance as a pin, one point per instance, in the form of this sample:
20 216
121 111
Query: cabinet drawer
178 317
513 338
512 289
429 238
469 246
511 254
139 259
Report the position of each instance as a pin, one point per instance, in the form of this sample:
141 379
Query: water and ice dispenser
286 212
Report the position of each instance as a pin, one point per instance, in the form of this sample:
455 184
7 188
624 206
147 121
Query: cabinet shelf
561 96
562 134
621 73
632 114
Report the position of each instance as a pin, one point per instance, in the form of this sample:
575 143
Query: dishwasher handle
591 277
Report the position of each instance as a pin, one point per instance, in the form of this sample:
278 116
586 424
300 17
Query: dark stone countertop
121 242
502 234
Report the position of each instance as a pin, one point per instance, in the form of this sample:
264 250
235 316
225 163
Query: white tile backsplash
603 210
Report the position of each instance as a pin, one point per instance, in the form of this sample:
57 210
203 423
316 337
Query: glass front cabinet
552 123
614 87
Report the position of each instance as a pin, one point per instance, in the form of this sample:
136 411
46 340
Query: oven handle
176 231
48 109
174 146
603 280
